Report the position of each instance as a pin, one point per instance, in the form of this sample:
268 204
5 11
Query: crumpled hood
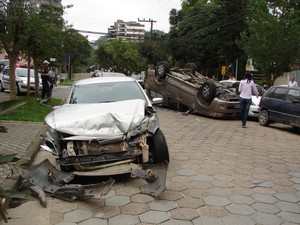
97 119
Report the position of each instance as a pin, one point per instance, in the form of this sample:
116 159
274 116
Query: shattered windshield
106 92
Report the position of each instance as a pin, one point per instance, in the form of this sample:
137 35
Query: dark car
280 104
187 90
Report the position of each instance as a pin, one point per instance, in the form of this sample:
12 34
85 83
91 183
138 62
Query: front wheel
264 118
158 147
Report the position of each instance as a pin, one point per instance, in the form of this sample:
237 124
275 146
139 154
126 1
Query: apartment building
127 31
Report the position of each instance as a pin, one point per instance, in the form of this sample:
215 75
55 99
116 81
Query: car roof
97 80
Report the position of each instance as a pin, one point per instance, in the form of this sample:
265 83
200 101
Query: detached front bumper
59 184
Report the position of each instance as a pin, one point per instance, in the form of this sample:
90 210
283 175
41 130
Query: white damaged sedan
107 127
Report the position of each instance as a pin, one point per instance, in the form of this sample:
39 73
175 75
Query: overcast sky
98 15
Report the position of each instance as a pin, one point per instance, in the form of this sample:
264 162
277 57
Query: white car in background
254 108
21 80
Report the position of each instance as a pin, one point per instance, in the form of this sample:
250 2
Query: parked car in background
3 63
280 104
139 78
187 90
107 127
254 107
99 73
21 80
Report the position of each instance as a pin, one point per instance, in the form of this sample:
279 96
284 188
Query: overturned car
187 90
109 127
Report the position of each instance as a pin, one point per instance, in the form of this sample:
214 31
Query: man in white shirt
292 82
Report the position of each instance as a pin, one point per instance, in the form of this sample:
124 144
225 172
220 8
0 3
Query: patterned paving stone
264 198
186 172
107 212
291 217
219 191
184 214
188 202
240 209
266 219
124 220
208 221
213 211
154 217
237 220
265 208
287 197
77 215
162 205
241 199
216 200
94 221
117 201
288 207
177 222
203 178
134 208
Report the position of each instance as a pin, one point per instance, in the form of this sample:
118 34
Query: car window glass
5 71
293 94
279 93
106 92
24 72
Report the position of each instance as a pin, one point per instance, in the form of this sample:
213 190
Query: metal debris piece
155 175
55 182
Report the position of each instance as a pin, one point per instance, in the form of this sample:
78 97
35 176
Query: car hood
98 119
255 99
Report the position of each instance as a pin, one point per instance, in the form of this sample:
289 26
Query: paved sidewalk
219 174
22 138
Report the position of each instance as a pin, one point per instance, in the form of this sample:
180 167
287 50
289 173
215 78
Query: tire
263 118
191 67
158 147
1 87
208 91
162 69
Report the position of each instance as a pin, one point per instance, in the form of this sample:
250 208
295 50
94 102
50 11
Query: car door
5 78
291 107
276 102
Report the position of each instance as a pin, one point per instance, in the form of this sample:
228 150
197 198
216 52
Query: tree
42 39
121 57
13 16
76 47
206 32
273 36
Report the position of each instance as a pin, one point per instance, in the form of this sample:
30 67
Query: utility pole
148 21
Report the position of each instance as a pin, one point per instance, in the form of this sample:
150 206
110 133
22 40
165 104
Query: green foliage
8 106
31 111
273 36
120 56
206 33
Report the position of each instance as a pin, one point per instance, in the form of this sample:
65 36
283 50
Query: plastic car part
155 175
56 182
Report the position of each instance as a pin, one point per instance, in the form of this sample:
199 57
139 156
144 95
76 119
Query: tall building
127 31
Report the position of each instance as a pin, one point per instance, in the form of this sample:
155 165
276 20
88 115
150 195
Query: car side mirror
157 101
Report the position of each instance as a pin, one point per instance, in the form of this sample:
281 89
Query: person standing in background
245 89
292 82
46 91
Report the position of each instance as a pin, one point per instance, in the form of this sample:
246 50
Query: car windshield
106 92
24 72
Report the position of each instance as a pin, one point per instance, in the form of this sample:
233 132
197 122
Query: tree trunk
12 76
